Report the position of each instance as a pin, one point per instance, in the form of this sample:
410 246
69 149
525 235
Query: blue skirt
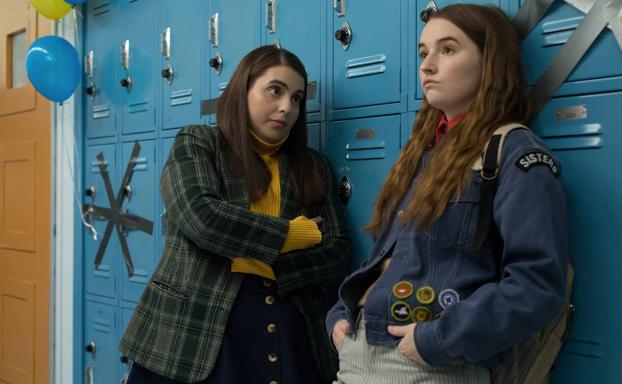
266 341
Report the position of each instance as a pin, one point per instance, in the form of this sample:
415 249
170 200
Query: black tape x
115 216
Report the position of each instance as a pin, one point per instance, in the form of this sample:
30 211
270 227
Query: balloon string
75 172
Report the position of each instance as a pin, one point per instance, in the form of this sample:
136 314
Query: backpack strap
489 169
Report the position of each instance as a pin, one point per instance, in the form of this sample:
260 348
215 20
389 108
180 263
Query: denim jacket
470 306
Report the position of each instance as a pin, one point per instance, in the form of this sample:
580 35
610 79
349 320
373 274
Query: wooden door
25 194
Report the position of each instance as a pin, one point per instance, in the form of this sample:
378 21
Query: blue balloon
75 2
53 67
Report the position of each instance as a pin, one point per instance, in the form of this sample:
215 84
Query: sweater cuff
303 233
429 346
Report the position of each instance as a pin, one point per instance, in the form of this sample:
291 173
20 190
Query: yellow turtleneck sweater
303 232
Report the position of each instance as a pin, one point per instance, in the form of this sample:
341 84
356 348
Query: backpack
531 361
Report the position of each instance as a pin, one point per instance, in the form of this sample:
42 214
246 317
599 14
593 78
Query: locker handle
125 54
165 43
212 26
88 64
340 7
271 15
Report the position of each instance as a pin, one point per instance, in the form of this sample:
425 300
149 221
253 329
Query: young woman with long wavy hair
428 306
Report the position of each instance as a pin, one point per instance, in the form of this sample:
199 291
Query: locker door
234 32
182 44
100 353
295 25
313 136
138 41
584 133
362 152
141 202
368 71
413 51
100 67
603 59
100 281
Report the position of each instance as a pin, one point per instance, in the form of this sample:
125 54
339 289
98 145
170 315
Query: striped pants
360 363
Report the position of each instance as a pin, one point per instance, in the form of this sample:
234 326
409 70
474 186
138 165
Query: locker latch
344 190
127 83
165 43
212 26
167 73
90 348
216 63
428 12
344 35
271 15
91 91
90 192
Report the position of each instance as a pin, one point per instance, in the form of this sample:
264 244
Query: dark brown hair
234 122
501 98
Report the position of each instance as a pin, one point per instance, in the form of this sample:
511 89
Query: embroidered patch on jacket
534 158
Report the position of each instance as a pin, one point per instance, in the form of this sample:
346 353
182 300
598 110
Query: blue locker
414 58
141 202
233 31
602 60
313 136
100 281
362 152
367 49
138 57
180 61
100 334
295 26
100 67
584 133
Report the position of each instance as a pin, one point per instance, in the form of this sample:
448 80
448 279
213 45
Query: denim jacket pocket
457 224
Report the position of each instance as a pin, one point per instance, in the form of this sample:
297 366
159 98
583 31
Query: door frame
67 172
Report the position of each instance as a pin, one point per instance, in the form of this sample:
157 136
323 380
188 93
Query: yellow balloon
52 9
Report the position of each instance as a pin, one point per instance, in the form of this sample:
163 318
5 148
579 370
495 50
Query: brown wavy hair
234 122
502 97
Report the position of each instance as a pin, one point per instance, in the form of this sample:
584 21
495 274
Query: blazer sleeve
326 263
191 186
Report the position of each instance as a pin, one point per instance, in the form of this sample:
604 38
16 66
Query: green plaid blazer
178 325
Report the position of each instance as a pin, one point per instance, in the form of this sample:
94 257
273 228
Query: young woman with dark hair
254 238
428 306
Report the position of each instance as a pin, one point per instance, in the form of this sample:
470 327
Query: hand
340 331
407 345
317 219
